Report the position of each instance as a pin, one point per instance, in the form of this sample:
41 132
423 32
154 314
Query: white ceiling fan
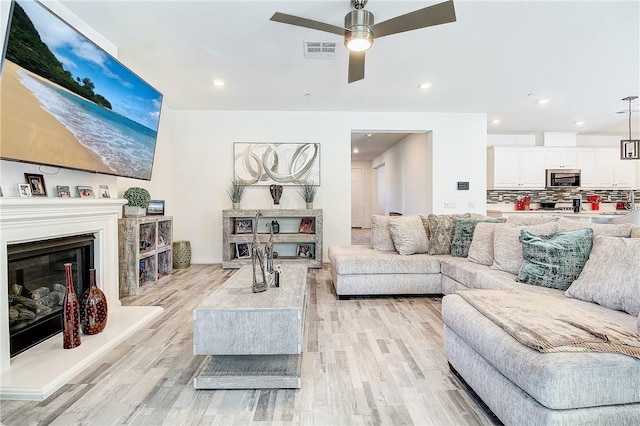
359 29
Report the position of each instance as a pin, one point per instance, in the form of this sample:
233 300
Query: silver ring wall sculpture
276 163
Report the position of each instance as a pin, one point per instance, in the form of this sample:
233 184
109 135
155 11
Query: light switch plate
449 205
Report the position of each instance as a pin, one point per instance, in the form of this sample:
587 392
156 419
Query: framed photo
243 250
156 208
630 149
306 225
24 190
63 191
38 189
104 191
85 192
305 250
243 226
1 194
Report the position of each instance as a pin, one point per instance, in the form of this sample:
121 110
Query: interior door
357 197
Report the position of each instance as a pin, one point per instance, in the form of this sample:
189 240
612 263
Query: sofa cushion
440 230
507 250
530 219
365 260
380 233
612 230
611 276
635 232
481 248
554 261
460 269
408 235
463 231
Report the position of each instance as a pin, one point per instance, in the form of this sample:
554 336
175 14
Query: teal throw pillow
554 261
463 234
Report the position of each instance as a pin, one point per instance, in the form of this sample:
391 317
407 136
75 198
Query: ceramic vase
70 314
93 307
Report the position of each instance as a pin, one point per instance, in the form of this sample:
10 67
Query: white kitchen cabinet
560 158
602 168
516 168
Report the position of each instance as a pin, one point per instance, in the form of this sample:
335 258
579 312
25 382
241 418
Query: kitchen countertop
606 209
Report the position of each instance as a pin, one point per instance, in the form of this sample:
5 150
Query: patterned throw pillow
481 249
611 276
507 250
554 261
408 235
380 234
463 230
440 230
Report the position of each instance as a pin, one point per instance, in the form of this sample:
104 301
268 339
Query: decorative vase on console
276 193
70 314
93 307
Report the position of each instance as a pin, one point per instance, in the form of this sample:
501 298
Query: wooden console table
254 339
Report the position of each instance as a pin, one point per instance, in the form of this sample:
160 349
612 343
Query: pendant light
630 148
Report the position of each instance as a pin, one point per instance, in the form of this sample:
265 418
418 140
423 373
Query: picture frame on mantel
630 149
36 182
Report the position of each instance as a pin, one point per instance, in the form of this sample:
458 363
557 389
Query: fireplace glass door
37 285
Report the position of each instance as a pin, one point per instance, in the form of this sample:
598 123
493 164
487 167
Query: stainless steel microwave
563 178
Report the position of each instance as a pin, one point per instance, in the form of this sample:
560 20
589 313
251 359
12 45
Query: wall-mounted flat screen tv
65 102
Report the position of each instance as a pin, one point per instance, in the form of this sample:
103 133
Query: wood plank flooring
366 361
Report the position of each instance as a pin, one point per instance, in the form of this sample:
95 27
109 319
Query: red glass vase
70 314
93 307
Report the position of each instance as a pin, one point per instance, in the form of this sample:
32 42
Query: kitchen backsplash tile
495 196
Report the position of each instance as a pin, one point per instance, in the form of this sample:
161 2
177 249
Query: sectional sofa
464 256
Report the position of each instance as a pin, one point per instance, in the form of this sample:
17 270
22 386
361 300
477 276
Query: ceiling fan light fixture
358 36
357 43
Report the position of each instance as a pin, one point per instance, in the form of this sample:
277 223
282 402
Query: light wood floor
366 361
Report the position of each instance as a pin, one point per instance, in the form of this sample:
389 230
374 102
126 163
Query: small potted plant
308 192
139 199
235 191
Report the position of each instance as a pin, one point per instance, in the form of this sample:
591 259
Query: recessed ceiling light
356 150
425 85
218 83
579 123
369 135
543 101
496 121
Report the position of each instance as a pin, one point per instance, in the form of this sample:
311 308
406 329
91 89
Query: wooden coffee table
254 340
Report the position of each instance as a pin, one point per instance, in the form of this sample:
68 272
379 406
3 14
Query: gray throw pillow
481 249
380 234
612 230
408 235
554 261
463 230
611 276
507 250
441 230
530 219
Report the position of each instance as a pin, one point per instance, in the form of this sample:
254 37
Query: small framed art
63 191
104 191
156 208
243 250
306 225
305 250
1 195
36 182
85 192
24 190
243 226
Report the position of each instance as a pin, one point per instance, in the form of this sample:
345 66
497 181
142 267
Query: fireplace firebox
37 286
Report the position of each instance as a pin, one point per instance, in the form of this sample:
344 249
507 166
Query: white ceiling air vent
320 49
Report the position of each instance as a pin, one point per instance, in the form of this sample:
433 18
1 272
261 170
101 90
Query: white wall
367 190
203 165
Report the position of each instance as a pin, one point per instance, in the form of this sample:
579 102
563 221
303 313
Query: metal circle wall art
277 163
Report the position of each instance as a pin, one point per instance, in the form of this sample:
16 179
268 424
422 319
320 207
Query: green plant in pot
138 201
236 192
308 192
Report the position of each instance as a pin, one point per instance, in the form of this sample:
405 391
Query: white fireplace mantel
38 372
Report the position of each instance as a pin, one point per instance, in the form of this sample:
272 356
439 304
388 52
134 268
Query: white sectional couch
520 385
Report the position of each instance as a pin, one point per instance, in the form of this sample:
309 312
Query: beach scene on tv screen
65 102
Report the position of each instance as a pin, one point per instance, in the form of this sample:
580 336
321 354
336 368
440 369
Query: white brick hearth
38 372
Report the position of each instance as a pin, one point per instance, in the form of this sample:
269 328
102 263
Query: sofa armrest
638 324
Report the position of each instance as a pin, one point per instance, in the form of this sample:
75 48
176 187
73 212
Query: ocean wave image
125 146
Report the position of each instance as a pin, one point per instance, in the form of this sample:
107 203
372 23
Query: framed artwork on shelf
104 191
306 225
156 208
85 192
36 182
1 195
63 191
24 190
276 163
243 226
305 250
243 250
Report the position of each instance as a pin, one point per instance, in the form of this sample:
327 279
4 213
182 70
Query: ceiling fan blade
356 66
437 14
307 23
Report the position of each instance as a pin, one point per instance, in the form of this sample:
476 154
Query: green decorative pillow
554 261
440 231
463 230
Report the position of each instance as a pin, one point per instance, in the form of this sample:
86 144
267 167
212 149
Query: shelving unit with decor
290 243
145 252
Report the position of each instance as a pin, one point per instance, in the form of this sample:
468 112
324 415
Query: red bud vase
93 307
70 314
